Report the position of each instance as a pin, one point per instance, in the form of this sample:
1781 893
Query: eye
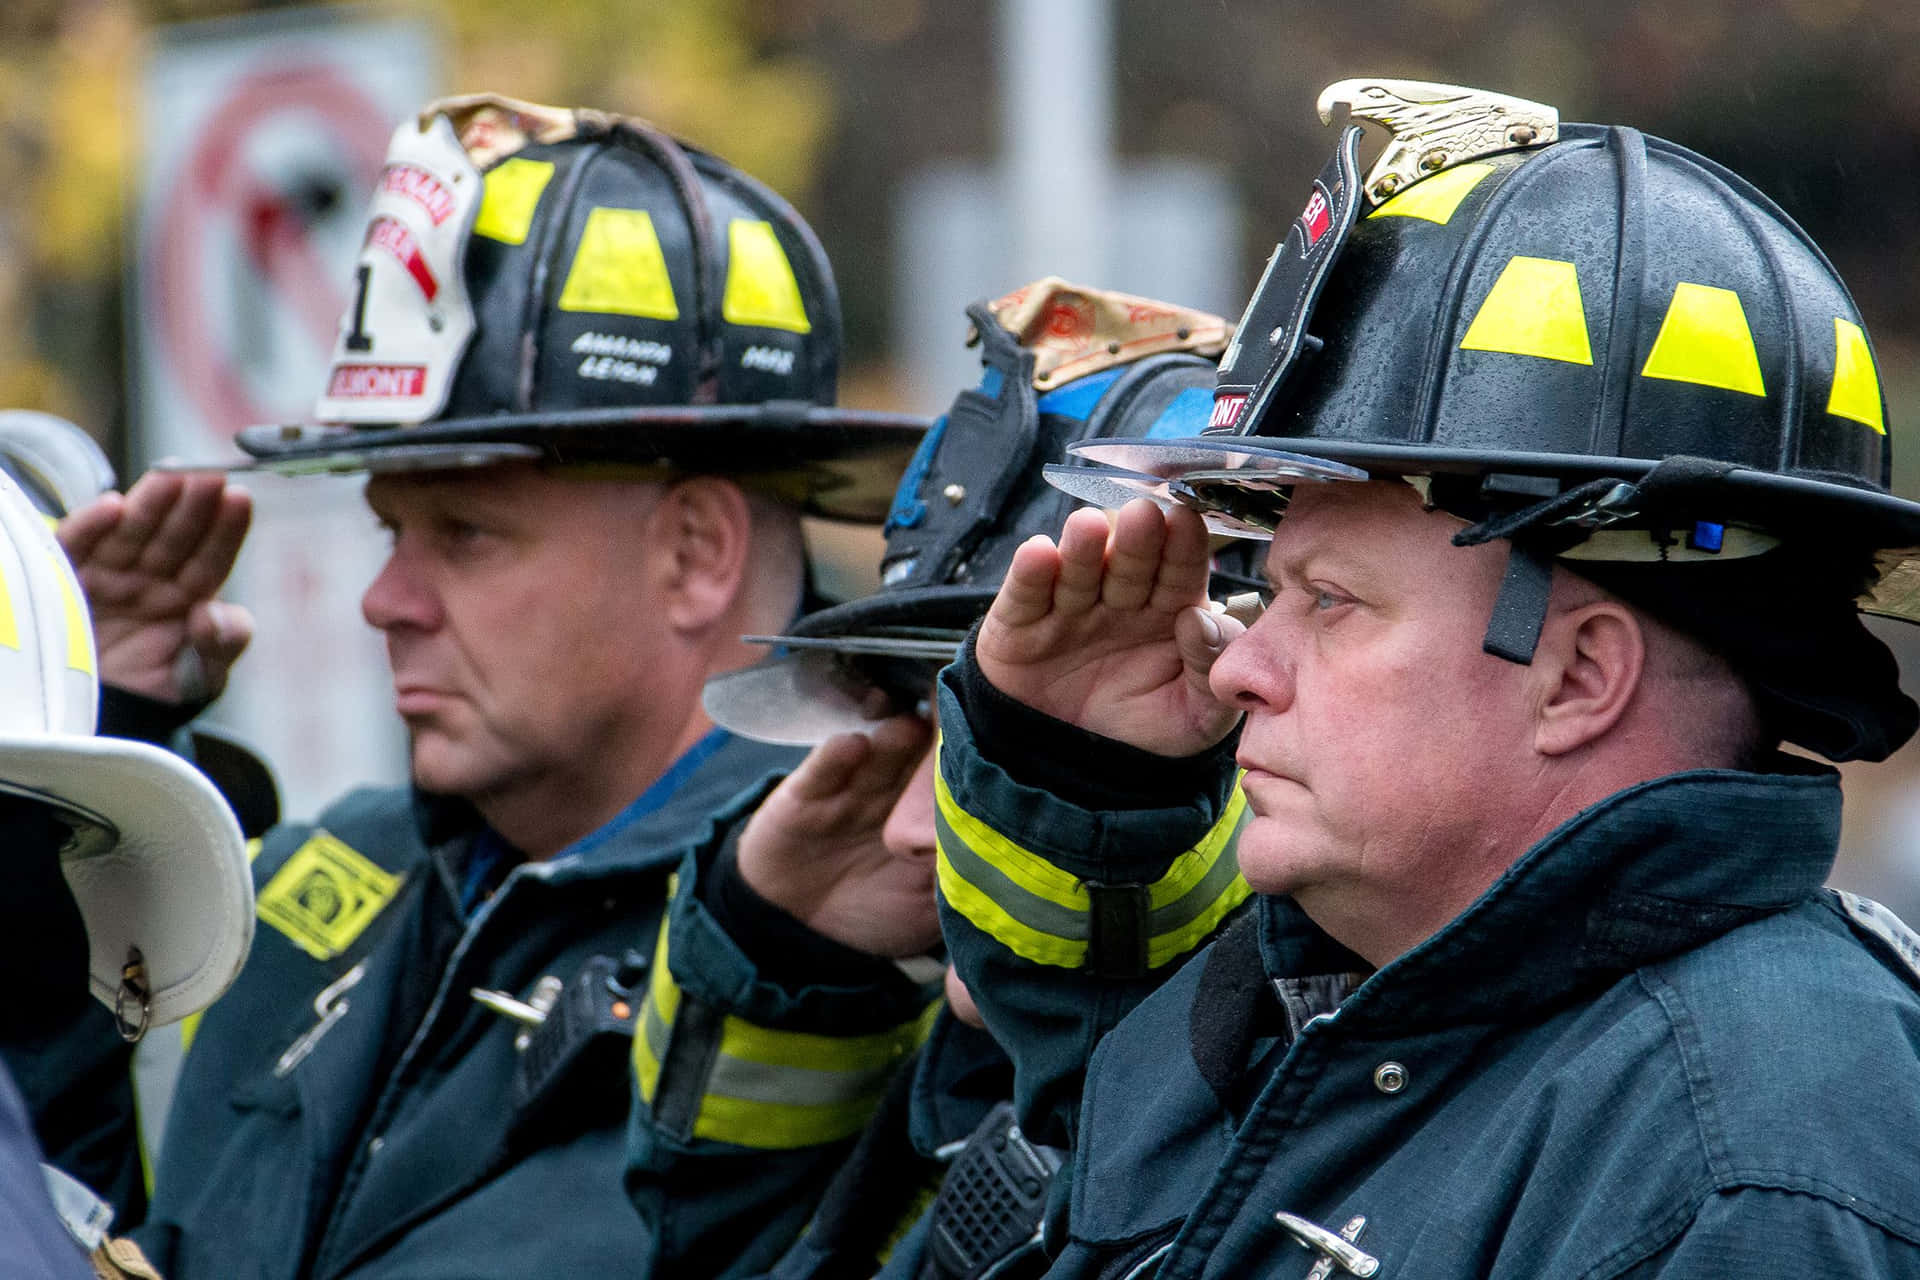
1325 598
459 530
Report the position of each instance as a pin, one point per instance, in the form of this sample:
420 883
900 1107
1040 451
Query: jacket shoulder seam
1700 1083
1648 1243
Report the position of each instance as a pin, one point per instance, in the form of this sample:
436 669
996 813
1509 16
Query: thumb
1201 636
218 632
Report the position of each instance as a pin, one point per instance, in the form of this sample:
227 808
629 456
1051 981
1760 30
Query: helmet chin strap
1520 610
1545 530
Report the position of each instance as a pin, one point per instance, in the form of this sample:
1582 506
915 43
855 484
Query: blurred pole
1056 73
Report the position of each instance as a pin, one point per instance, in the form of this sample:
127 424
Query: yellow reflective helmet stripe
509 196
761 289
1705 339
1533 309
1044 915
1437 198
79 638
619 268
767 1088
1856 383
9 621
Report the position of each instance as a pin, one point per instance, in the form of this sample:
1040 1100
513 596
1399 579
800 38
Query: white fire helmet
155 861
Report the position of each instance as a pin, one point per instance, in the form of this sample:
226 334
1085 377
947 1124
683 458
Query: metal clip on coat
1336 1250
331 1006
529 1013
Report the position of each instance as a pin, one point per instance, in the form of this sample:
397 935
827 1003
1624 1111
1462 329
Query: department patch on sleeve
325 895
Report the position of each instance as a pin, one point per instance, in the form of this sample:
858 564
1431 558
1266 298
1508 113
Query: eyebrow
1291 567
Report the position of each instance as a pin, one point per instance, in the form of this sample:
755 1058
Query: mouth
1257 773
419 699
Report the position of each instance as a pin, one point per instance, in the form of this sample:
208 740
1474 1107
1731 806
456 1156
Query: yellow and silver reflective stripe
1044 914
766 1088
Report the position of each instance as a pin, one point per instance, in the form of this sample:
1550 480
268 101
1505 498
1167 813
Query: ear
1586 670
706 527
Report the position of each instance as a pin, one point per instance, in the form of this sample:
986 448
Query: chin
444 772
1272 861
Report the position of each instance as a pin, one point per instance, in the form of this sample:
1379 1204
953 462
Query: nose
400 596
1253 672
908 832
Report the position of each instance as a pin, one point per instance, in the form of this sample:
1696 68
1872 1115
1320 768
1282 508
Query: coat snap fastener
1389 1077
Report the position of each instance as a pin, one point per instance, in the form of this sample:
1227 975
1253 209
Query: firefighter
1573 459
128 884
59 468
590 371
790 1062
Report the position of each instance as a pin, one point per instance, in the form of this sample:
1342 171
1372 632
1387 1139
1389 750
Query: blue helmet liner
973 493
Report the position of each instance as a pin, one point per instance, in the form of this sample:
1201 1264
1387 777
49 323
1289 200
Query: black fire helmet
1062 363
578 288
1602 347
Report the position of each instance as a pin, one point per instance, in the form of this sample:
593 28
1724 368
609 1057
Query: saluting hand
151 562
817 847
1109 630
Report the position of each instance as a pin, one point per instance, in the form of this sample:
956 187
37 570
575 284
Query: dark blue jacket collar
656 827
1649 872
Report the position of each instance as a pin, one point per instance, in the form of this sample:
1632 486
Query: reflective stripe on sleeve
1043 914
765 1088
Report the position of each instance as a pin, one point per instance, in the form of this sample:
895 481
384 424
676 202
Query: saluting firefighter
792 1059
1573 460
591 372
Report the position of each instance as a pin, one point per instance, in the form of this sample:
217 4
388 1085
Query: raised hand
1109 630
151 562
815 848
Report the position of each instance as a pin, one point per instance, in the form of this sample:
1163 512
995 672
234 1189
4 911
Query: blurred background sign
260 139
1057 202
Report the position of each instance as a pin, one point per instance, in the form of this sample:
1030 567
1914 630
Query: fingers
829 768
1026 593
165 518
869 766
1134 560
1185 562
212 555
143 509
1144 558
80 532
184 526
1083 561
899 744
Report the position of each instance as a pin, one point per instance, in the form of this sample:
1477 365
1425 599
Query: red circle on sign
216 186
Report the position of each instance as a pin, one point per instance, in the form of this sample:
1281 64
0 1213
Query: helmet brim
1788 505
840 463
828 680
156 863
